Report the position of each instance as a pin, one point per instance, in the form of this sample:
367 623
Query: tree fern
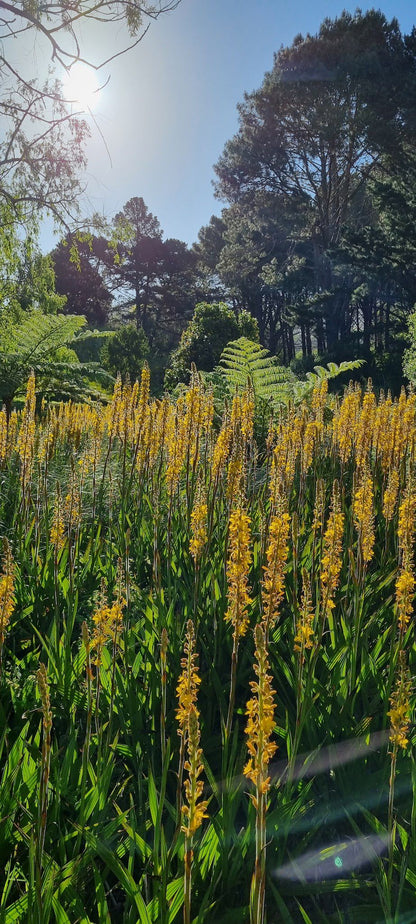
244 361
35 342
304 387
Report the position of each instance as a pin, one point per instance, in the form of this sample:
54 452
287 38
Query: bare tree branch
41 148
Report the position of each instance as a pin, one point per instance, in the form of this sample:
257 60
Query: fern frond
331 371
243 361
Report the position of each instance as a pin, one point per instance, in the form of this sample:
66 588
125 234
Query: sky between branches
170 104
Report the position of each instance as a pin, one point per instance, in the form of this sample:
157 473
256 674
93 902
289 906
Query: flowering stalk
7 595
186 691
86 641
43 687
303 642
331 561
274 572
363 513
405 583
195 810
364 520
260 723
26 440
108 621
399 715
199 537
238 567
164 642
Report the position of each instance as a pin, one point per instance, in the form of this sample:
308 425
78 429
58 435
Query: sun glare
81 86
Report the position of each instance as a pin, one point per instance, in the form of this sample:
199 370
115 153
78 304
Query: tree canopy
42 152
320 169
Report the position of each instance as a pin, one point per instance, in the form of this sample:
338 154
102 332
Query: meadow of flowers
206 657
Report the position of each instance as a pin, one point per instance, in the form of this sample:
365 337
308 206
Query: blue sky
170 104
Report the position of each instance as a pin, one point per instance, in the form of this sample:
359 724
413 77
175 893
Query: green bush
126 352
203 340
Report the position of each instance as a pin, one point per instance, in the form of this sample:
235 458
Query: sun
81 86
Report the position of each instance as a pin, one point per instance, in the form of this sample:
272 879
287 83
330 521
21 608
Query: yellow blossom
390 495
405 592
238 568
221 450
331 561
274 572
195 811
7 592
199 533
304 625
260 719
364 515
188 683
400 710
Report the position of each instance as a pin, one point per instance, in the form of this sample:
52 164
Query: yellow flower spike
365 427
221 450
11 432
235 474
116 409
195 811
3 436
189 681
304 637
176 446
364 515
260 717
7 593
274 572
57 531
308 446
331 561
261 749
199 535
319 507
405 593
390 495
344 424
26 439
238 568
247 414
400 709
407 517
108 621
71 508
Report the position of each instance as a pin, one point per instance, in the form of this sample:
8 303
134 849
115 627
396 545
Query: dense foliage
205 651
317 236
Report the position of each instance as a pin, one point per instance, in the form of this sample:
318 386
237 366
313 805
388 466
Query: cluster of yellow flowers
189 681
400 711
390 495
274 572
26 440
304 626
7 592
195 811
107 619
238 569
364 515
331 561
199 533
187 716
405 583
260 721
